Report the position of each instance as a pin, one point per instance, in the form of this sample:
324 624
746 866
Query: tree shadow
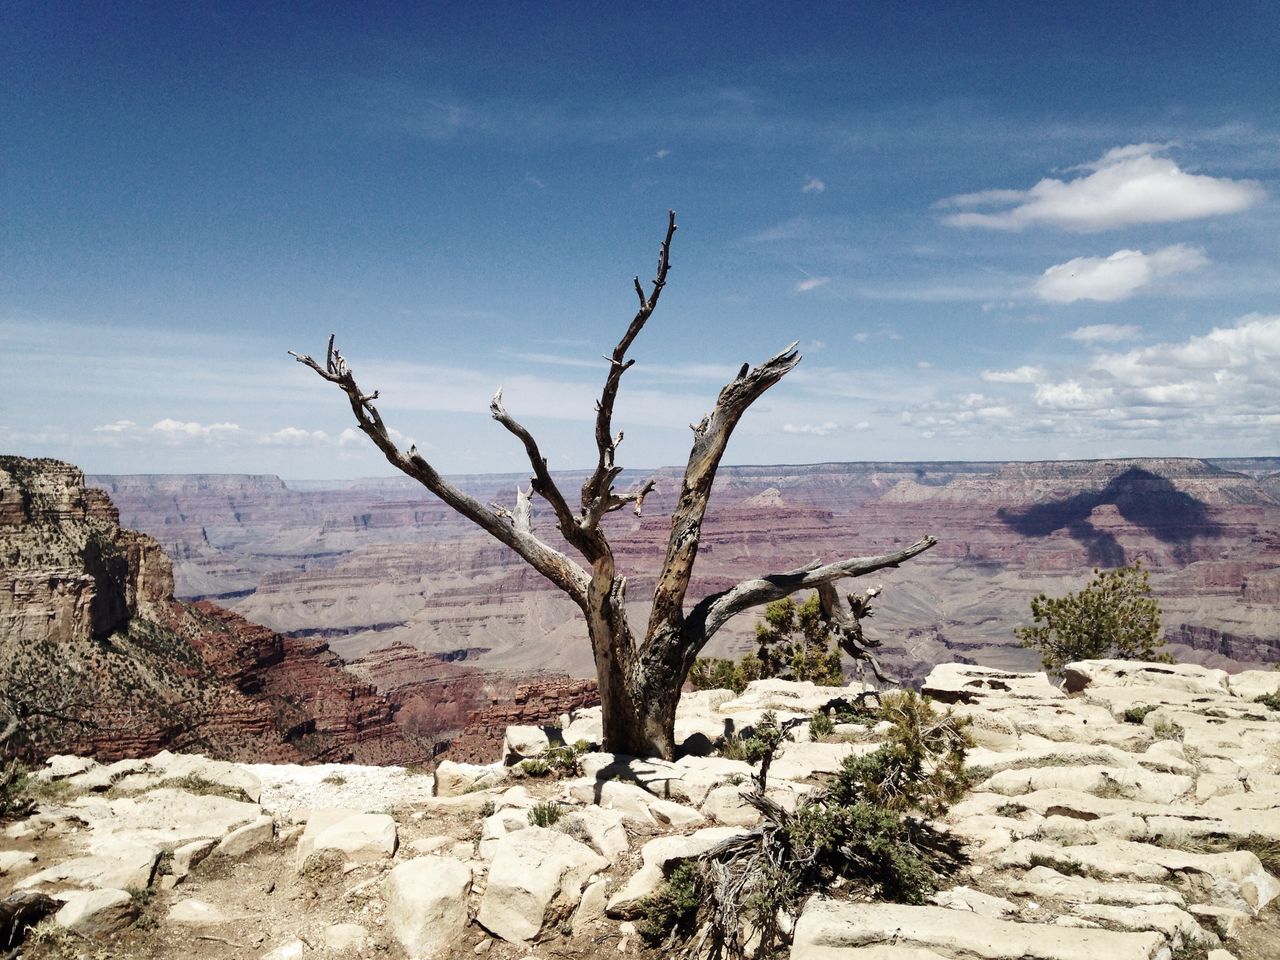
1143 498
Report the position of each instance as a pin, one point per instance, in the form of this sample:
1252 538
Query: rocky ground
1133 814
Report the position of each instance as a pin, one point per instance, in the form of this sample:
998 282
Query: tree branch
711 437
543 484
715 610
597 490
551 563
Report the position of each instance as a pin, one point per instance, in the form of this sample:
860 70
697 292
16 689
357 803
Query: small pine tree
1113 616
795 643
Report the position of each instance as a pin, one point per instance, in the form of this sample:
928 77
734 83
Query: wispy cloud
1117 277
825 429
1126 186
1105 333
813 185
1026 374
811 283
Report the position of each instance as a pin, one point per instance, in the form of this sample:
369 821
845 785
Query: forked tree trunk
639 681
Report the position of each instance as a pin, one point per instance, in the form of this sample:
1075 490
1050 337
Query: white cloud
883 333
1117 277
1128 185
1071 395
813 185
180 431
811 283
1105 333
295 437
119 426
924 365
1212 391
1025 374
662 154
812 429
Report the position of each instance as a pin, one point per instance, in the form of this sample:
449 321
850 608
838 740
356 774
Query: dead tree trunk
640 680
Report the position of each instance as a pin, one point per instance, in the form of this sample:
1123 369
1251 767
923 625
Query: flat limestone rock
1046 883
122 867
831 930
165 817
1235 879
1186 677
967 683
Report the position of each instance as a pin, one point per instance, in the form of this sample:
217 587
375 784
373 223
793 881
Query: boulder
800 697
455 779
95 913
602 829
362 838
1235 879
291 949
535 875
1251 684
166 817
522 742
188 856
249 837
427 905
635 803
1044 883
973 901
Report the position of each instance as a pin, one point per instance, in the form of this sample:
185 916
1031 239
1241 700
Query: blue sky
998 230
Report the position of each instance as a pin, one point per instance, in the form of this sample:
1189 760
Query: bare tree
640 679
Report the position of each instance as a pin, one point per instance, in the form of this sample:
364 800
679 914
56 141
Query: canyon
384 573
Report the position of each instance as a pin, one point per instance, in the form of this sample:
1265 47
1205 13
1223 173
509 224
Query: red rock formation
96 656
539 703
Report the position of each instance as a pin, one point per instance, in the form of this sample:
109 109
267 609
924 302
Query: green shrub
672 911
1269 700
793 642
1138 714
1064 865
821 725
717 673
15 802
545 814
1113 616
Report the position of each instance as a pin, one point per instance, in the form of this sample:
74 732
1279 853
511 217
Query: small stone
289 950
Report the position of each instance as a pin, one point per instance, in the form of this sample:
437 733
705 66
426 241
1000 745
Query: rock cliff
97 657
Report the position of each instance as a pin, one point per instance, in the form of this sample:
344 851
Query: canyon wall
379 566
97 657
